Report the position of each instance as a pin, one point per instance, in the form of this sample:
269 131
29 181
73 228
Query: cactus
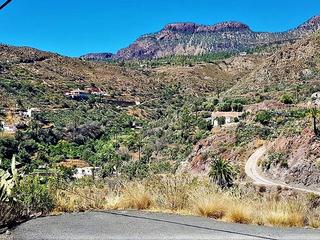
8 181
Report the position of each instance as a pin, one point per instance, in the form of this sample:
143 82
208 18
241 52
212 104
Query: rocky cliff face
195 39
302 154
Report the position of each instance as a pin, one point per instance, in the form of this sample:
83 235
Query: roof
74 163
227 114
315 95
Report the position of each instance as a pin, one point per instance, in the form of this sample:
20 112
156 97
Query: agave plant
8 181
222 172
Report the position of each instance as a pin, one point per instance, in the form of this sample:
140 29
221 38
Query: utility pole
5 4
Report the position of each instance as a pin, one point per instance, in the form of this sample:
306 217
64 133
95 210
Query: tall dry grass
135 196
196 196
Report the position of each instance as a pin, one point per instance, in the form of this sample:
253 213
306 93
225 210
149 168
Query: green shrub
34 195
224 107
221 120
161 167
275 159
237 107
215 101
287 99
264 117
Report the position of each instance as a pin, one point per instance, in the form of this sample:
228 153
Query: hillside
294 67
292 70
176 100
197 39
41 78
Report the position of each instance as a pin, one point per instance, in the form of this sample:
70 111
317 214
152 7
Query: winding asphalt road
253 171
135 225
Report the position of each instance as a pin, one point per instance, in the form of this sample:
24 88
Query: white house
85 172
229 117
9 128
30 111
77 94
315 97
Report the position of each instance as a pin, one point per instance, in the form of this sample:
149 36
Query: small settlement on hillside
15 118
79 94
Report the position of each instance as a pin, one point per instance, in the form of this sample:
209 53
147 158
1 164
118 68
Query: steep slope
294 65
302 160
196 39
292 69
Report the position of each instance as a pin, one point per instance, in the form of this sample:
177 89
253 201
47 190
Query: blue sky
75 27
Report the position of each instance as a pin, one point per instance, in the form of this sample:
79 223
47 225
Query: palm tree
222 172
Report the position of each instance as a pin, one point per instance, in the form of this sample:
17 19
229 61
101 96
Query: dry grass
210 205
182 194
239 213
78 199
135 196
282 213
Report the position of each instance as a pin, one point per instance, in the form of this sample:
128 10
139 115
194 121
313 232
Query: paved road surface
142 225
253 171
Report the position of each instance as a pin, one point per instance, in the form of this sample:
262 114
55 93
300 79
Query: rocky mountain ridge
96 56
196 39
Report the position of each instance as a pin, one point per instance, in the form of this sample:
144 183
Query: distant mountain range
196 39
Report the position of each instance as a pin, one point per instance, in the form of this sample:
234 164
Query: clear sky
75 27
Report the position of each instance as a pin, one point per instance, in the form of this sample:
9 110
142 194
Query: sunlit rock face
194 39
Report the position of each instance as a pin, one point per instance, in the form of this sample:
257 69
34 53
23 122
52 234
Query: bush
135 196
221 121
11 213
215 101
224 107
276 158
34 195
237 107
264 117
287 99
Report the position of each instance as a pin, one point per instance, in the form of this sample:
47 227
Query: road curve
253 171
135 225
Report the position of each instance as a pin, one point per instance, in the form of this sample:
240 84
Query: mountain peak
181 27
314 20
187 27
187 38
229 26
312 23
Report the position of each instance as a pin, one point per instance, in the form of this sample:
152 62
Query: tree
222 172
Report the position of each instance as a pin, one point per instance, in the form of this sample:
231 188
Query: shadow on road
189 225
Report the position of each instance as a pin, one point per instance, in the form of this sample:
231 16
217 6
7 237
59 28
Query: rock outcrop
302 154
96 56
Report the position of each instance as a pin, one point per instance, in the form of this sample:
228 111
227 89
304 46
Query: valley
167 126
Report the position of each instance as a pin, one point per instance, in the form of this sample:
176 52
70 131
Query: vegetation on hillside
139 148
